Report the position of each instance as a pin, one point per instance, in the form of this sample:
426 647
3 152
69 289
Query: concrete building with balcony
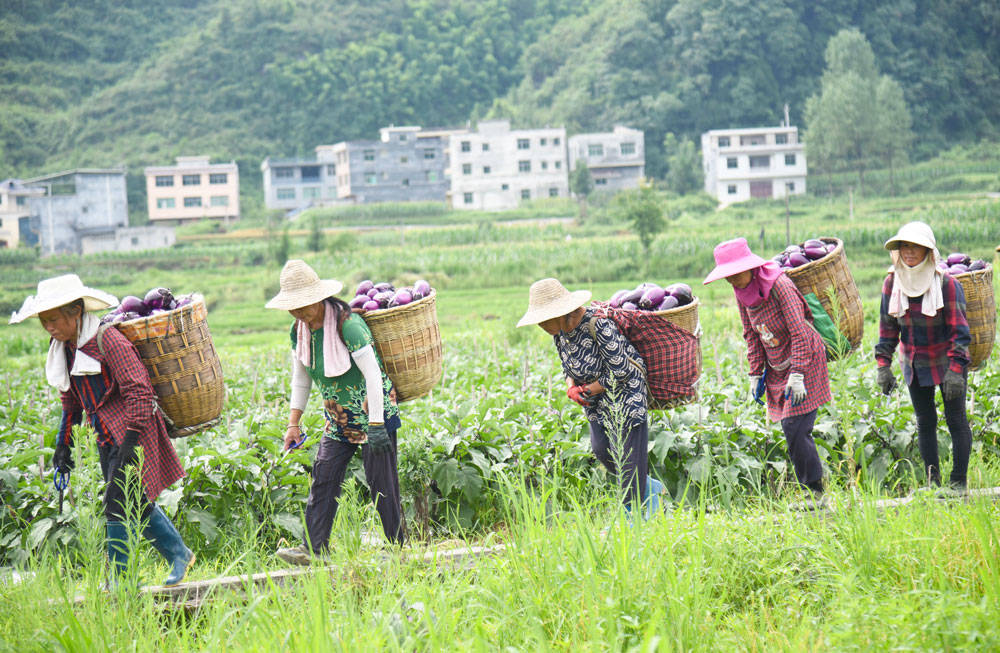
298 183
616 159
496 168
741 164
193 189
15 215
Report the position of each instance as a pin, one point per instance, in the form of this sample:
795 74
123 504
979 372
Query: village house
763 162
616 159
15 215
193 189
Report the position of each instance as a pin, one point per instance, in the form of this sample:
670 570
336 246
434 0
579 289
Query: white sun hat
919 233
59 291
548 299
301 286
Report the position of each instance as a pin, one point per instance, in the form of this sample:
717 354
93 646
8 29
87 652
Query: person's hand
795 389
580 395
953 385
62 459
293 433
756 390
378 439
885 379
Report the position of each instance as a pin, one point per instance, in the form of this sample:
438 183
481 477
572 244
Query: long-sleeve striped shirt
928 346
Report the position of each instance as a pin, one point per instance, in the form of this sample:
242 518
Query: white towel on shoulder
55 364
336 358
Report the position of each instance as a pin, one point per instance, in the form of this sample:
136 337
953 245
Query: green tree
581 184
684 174
894 134
642 209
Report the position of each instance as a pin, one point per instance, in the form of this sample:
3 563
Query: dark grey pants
634 457
113 468
958 426
802 450
328 473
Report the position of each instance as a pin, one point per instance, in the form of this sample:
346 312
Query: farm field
497 454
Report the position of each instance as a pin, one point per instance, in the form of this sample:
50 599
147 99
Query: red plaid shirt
121 397
928 346
780 335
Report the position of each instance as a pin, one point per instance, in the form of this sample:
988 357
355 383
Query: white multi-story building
616 159
496 167
741 164
193 189
14 211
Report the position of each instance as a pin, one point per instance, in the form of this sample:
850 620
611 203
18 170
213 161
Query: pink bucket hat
732 257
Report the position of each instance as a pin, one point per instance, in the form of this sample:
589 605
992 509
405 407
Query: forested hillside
140 81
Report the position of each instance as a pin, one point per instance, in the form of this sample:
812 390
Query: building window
543 141
754 139
760 162
555 141
165 203
285 193
331 191
21 200
406 182
525 194
135 240
486 170
595 149
523 143
467 198
429 153
331 170
628 148
371 178
553 192
601 181
731 162
486 147
524 166
466 168
545 165
558 165
402 138
219 200
780 139
723 141
790 186
192 201
310 192
218 178
368 155
191 180
789 159
466 146
310 173
731 189
430 175
504 186
404 159
284 173
164 180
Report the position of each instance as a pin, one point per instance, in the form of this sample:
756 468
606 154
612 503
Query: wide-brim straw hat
59 291
732 257
919 233
548 299
301 286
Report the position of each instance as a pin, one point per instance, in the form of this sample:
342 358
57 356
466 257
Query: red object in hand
579 394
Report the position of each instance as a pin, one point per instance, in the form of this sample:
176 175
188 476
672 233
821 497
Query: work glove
795 389
580 395
885 379
62 459
757 387
378 439
953 385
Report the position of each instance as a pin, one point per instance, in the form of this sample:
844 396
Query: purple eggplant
669 302
978 264
795 259
421 287
358 302
616 299
371 305
629 306
651 298
402 297
364 287
958 257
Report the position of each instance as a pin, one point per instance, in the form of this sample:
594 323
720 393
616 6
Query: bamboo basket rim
196 298
972 273
384 314
792 272
677 309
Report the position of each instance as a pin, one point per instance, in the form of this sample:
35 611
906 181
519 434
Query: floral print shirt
344 397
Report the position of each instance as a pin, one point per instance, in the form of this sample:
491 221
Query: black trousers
633 455
113 468
328 473
802 449
958 426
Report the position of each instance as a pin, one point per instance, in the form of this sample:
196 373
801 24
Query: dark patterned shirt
611 360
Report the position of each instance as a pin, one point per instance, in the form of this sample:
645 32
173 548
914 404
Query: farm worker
333 348
923 311
601 378
97 370
787 355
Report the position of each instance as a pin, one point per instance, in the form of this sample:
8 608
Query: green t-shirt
344 396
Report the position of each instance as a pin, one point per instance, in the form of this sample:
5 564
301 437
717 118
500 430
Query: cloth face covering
55 364
760 285
921 279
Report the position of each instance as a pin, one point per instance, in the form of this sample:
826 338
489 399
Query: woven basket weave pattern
408 340
981 313
831 271
177 350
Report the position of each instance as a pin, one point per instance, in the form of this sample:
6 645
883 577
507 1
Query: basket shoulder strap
100 337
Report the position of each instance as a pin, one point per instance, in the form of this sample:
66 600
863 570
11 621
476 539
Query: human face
912 254
741 279
553 326
60 326
311 314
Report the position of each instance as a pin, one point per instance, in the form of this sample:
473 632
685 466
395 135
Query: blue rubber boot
653 491
165 539
117 541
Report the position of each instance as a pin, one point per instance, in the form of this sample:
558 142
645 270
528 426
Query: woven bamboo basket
408 340
177 350
831 274
684 317
981 313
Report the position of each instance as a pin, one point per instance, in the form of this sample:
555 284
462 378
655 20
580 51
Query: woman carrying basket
333 348
97 370
787 355
603 377
923 311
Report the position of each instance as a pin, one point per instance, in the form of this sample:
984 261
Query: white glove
754 382
795 389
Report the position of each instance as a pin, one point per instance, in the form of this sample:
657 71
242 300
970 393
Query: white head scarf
923 279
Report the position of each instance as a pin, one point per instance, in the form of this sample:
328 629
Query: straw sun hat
301 286
548 299
59 291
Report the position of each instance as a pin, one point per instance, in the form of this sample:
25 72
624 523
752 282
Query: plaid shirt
779 334
927 345
121 397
